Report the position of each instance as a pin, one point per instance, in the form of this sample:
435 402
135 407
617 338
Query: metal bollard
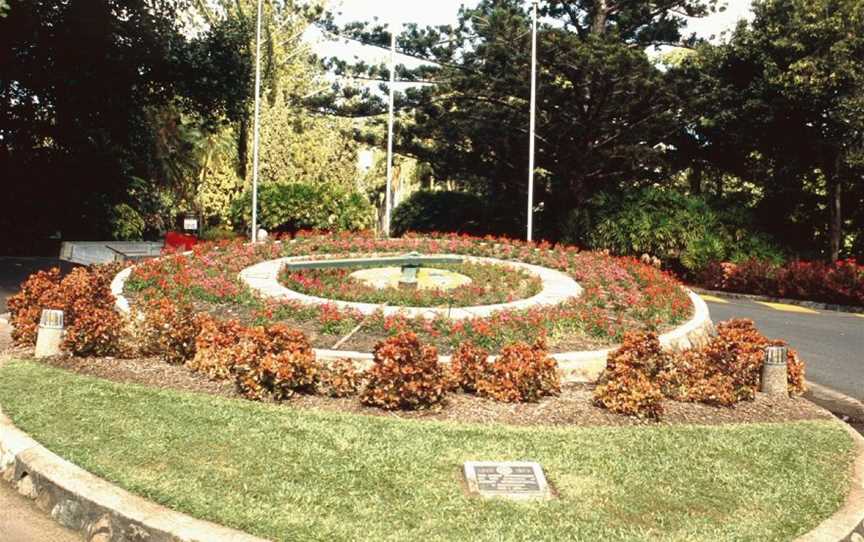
775 372
50 333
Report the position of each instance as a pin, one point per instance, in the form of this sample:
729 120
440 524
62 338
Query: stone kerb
263 278
583 366
101 511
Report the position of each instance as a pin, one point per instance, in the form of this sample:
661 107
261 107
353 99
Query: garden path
20 520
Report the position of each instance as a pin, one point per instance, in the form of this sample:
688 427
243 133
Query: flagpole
530 234
256 126
388 204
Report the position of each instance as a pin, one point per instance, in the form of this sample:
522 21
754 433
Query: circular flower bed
489 284
620 294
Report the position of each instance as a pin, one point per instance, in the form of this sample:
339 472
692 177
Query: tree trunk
835 216
696 179
598 25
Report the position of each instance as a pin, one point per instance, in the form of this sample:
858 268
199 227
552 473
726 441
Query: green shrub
126 223
304 206
427 211
675 227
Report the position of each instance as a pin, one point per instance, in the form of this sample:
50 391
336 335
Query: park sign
514 480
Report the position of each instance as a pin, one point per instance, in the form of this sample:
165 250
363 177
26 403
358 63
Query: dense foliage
92 99
443 211
841 282
681 230
289 207
272 362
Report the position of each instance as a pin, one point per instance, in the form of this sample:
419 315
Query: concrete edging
770 299
263 278
582 366
100 511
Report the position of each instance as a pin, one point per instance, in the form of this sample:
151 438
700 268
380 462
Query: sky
434 12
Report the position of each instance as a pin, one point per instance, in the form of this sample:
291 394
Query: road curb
799 302
99 510
834 401
847 524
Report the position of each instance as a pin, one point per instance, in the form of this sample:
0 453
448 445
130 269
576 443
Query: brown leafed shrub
274 361
632 383
522 373
339 378
468 366
214 347
84 296
738 351
724 372
39 291
405 374
168 330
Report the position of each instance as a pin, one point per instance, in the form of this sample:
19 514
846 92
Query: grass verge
290 474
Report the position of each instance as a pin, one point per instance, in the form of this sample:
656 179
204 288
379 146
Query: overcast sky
435 12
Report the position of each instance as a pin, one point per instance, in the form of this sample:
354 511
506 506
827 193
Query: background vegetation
129 114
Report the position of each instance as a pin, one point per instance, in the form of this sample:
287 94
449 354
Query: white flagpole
257 122
389 197
532 123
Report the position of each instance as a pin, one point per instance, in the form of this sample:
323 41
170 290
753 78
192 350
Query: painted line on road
713 299
787 308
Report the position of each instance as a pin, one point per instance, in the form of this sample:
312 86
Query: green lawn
299 475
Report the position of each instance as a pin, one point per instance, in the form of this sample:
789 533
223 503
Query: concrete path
20 520
830 343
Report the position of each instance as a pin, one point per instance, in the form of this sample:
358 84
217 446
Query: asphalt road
830 343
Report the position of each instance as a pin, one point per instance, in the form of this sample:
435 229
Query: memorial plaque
518 480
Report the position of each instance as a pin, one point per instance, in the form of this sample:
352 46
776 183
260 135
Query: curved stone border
800 302
263 278
101 511
584 366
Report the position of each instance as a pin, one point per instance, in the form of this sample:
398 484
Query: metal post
532 123
388 204
256 127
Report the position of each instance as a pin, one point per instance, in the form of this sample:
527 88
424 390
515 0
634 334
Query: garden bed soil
572 408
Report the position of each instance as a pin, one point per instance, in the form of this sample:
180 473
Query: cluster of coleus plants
639 375
840 282
490 284
620 294
92 326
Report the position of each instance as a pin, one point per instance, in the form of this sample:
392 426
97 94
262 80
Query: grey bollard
775 372
50 333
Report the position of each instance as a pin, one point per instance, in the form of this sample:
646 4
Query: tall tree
781 104
83 94
603 108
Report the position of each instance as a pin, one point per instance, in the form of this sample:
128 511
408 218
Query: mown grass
289 474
